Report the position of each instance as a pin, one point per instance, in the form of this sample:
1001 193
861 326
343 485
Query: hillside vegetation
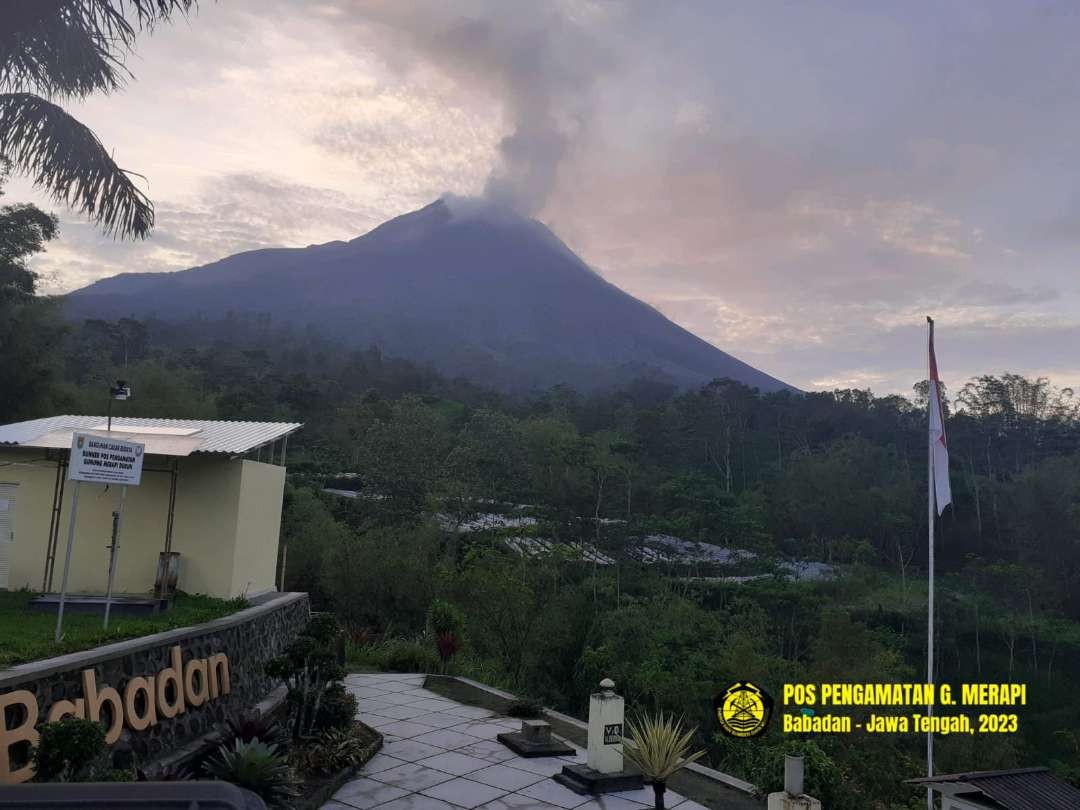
837 478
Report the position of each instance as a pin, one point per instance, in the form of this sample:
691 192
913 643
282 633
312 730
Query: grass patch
27 635
392 655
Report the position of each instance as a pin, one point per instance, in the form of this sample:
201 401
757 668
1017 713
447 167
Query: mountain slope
459 286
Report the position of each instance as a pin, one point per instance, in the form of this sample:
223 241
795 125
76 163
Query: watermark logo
743 710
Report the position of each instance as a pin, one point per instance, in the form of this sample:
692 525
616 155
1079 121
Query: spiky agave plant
259 767
658 746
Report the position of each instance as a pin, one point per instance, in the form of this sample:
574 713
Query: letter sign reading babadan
105 460
145 699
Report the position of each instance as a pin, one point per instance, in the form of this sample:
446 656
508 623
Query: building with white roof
211 492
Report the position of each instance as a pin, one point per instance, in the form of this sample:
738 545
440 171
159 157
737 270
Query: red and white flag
939 449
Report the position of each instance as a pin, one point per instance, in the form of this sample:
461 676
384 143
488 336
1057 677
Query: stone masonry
249 638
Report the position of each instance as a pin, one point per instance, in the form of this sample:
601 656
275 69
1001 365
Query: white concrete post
792 797
793 775
606 729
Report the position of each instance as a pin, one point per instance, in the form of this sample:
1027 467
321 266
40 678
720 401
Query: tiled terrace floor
442 755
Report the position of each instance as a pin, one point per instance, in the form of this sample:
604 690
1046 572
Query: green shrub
323 627
444 626
71 750
309 666
170 773
259 767
337 710
117 775
335 750
265 730
443 617
525 708
399 655
366 655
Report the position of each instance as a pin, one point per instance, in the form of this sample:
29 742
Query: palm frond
64 157
658 745
46 48
63 48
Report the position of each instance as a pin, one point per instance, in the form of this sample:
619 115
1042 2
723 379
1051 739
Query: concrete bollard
603 770
606 711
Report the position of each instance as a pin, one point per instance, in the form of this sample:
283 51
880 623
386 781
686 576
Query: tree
57 50
487 461
24 230
402 457
29 329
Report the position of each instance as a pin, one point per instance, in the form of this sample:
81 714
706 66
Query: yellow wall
226 525
33 500
204 531
258 528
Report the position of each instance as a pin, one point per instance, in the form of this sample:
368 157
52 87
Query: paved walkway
441 755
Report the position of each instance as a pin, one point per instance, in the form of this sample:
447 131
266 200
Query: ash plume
542 62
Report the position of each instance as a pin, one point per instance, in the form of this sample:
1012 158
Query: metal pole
118 523
931 392
55 540
53 517
67 559
169 518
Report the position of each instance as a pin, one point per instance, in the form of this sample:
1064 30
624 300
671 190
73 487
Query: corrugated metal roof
1019 789
153 444
214 436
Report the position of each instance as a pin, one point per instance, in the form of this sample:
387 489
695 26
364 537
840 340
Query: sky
800 184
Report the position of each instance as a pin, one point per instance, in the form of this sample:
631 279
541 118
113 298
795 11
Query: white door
7 531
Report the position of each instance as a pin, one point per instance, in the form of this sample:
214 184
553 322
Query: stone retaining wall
249 638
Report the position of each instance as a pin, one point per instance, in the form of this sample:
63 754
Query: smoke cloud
542 62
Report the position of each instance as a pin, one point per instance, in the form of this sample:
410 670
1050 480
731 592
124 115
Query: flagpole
930 399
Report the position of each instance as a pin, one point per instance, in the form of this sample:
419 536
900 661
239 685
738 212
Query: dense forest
441 473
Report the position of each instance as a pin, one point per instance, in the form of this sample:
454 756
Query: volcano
457 285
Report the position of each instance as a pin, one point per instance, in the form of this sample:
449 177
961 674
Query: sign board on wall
104 460
144 700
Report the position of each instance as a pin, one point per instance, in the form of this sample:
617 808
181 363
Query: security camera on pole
120 391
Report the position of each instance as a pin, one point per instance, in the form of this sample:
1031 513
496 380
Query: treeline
835 476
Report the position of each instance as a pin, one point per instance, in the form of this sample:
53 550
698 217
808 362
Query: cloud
541 62
993 294
229 214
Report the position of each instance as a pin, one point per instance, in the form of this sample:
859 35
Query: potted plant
658 746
